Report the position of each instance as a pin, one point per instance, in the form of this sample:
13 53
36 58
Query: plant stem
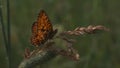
4 36
9 33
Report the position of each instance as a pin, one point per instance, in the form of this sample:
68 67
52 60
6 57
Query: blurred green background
96 51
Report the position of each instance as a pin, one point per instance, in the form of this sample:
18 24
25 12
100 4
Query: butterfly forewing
41 29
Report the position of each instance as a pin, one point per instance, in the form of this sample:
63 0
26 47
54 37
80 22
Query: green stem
4 36
9 33
2 25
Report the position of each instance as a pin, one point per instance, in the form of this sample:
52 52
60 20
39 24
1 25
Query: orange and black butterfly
42 30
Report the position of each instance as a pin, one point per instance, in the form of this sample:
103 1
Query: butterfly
42 29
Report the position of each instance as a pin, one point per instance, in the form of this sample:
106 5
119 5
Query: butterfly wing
41 29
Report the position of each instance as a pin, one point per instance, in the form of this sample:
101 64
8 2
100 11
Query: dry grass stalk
85 30
49 50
